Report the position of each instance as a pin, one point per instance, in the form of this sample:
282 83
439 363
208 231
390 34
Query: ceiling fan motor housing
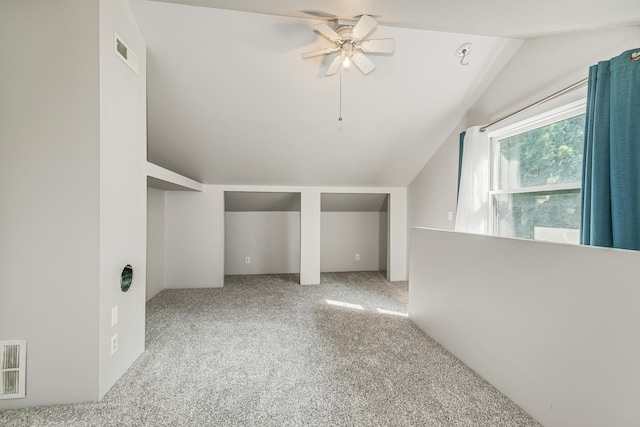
345 31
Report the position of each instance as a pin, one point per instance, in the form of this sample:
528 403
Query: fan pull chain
340 117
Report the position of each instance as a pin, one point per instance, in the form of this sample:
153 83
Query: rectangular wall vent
13 360
122 51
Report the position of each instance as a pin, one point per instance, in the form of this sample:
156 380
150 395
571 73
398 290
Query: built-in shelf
164 179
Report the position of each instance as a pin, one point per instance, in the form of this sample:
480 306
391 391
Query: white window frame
558 114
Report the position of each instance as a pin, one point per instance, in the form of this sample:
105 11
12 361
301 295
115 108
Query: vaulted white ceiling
503 18
231 101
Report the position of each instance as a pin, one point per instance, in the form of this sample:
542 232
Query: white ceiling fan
348 38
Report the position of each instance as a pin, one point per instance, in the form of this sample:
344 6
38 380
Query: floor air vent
13 356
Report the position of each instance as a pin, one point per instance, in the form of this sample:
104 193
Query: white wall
554 327
344 234
310 203
194 238
194 230
155 242
270 239
432 194
73 187
397 265
558 61
123 192
49 181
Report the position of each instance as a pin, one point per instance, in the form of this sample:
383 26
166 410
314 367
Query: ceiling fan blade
319 52
378 45
327 31
334 67
363 63
363 27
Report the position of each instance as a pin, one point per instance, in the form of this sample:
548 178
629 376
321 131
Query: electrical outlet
114 343
450 215
247 260
357 257
114 316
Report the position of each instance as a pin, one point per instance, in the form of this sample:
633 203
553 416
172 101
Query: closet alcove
261 233
354 232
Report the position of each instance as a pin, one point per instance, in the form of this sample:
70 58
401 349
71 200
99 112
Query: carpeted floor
265 351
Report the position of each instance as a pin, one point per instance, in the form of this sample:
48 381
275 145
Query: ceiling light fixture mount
463 51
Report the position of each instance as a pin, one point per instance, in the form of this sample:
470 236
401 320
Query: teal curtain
460 151
611 162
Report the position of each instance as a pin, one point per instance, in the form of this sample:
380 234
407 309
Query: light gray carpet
265 351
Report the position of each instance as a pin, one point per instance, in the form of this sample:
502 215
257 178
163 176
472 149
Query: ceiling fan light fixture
346 63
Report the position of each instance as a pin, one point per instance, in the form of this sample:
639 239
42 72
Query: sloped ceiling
231 101
503 18
241 201
345 202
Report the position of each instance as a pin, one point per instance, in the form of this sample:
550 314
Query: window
536 172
